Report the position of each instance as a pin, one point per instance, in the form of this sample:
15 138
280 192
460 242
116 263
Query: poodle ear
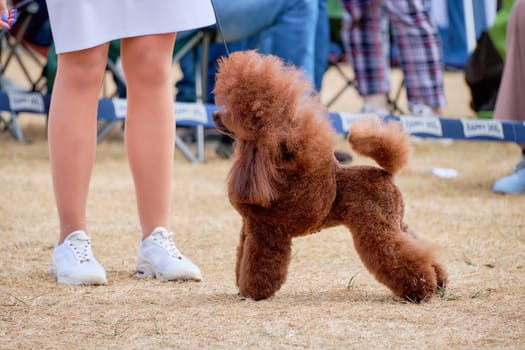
254 177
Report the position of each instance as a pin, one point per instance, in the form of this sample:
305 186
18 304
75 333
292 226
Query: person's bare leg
150 124
150 143
72 132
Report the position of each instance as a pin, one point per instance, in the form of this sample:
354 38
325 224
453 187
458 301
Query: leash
219 28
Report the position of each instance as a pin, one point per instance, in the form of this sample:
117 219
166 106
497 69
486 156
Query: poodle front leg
263 266
240 250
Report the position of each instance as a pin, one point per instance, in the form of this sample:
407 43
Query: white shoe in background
425 111
513 183
422 110
369 108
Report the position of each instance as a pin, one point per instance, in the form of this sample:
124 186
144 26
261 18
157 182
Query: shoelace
81 247
165 239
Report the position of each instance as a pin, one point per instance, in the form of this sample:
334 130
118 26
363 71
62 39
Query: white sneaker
73 261
379 111
159 257
513 183
425 111
422 110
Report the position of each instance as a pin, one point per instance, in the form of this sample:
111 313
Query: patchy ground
329 301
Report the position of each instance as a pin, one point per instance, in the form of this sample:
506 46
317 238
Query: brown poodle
285 181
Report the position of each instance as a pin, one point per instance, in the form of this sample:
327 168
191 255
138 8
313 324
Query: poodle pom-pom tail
386 143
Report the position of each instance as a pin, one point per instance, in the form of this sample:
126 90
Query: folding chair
16 47
202 37
31 17
190 115
188 42
338 55
14 102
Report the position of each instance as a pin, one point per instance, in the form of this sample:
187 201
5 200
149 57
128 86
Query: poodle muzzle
219 125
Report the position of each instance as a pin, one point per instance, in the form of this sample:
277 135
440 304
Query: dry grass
329 300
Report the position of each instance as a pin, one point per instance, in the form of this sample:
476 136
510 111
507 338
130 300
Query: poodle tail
386 143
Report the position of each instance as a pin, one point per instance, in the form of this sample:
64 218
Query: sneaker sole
64 280
146 270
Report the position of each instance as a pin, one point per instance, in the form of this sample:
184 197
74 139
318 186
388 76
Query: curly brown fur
285 181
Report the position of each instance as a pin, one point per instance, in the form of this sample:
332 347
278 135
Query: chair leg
12 126
103 129
199 131
349 82
201 83
393 102
185 150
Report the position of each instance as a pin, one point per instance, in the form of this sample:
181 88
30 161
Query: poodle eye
286 153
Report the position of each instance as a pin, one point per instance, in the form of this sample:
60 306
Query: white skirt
81 24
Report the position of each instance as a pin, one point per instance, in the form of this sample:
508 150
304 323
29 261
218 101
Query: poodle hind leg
399 261
441 273
262 266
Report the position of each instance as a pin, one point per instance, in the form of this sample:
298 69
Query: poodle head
278 123
258 95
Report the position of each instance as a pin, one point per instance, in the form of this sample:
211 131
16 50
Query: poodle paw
419 295
441 276
424 286
419 287
256 295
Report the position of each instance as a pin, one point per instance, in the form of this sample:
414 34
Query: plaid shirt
417 43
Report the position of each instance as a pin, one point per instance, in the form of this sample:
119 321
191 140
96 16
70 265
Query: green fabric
335 9
179 43
51 68
498 30
114 50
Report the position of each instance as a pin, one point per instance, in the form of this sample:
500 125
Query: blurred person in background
418 50
510 103
295 30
